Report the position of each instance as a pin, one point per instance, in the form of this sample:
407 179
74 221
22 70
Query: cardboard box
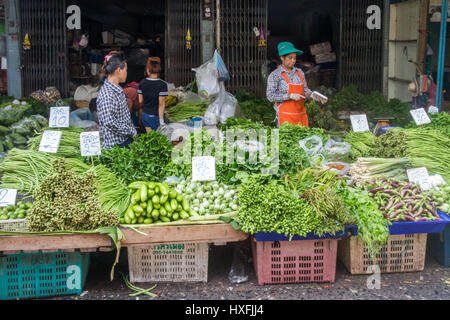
320 48
326 57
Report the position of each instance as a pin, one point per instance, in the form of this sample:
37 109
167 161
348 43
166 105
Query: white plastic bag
207 79
212 114
228 106
312 145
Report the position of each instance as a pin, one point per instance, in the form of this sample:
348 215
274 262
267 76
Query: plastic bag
312 145
212 114
238 272
222 70
82 118
175 131
172 180
228 107
207 79
341 167
337 151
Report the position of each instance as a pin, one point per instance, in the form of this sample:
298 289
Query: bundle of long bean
431 149
114 194
187 110
69 146
25 169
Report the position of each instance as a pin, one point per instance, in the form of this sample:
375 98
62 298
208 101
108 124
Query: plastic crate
300 261
274 236
175 262
419 227
38 275
439 246
402 253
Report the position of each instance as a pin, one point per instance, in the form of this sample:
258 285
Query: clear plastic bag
207 79
212 114
228 106
334 151
341 167
175 131
238 272
311 145
222 70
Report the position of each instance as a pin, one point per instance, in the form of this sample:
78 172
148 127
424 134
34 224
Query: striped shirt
114 116
278 88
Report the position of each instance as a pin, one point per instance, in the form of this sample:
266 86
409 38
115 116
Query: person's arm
308 91
141 98
164 92
273 92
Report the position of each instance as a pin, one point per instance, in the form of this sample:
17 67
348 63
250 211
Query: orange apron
293 111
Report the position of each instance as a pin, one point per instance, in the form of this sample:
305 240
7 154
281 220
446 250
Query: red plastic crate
298 261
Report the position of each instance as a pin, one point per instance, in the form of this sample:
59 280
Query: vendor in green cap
287 88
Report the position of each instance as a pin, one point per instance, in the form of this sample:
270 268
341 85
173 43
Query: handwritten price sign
90 144
420 176
50 141
203 169
420 116
359 123
59 117
8 197
433 109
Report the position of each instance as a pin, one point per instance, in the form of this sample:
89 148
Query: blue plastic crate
38 275
439 246
414 227
273 236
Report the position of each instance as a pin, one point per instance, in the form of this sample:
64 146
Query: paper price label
59 117
50 141
420 116
433 109
90 144
203 169
421 177
8 197
359 123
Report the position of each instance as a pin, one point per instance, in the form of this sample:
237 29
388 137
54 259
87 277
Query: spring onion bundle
187 110
367 169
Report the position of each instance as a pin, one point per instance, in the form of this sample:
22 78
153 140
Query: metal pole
440 72
218 25
386 26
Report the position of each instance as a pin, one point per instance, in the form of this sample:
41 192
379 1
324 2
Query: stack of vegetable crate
279 260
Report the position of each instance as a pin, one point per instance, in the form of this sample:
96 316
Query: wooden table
218 234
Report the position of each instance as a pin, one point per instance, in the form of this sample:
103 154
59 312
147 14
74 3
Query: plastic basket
419 227
37 275
301 261
402 253
176 262
439 246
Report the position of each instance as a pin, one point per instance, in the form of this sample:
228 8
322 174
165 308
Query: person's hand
295 97
162 125
318 98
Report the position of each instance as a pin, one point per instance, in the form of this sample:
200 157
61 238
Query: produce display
69 145
368 169
145 160
20 211
256 109
208 198
439 121
17 124
65 201
363 144
320 117
424 147
441 196
187 110
154 202
402 201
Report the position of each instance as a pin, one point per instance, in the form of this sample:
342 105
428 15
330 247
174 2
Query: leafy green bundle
255 108
363 144
145 160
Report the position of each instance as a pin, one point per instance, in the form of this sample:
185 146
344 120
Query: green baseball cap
285 48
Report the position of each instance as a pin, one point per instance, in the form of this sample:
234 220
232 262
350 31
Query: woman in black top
152 93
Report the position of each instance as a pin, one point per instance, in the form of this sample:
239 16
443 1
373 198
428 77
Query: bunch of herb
145 160
392 144
320 117
255 108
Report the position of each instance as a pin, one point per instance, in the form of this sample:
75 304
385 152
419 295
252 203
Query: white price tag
203 169
421 177
90 144
50 141
420 116
8 197
359 123
433 109
59 117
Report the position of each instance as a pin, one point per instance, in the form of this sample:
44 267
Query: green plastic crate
38 275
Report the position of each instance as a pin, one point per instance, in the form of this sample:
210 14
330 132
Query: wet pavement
431 284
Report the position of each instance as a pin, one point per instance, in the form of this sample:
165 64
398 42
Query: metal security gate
361 60
46 63
183 15
239 44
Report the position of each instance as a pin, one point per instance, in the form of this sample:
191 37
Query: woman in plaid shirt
113 113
